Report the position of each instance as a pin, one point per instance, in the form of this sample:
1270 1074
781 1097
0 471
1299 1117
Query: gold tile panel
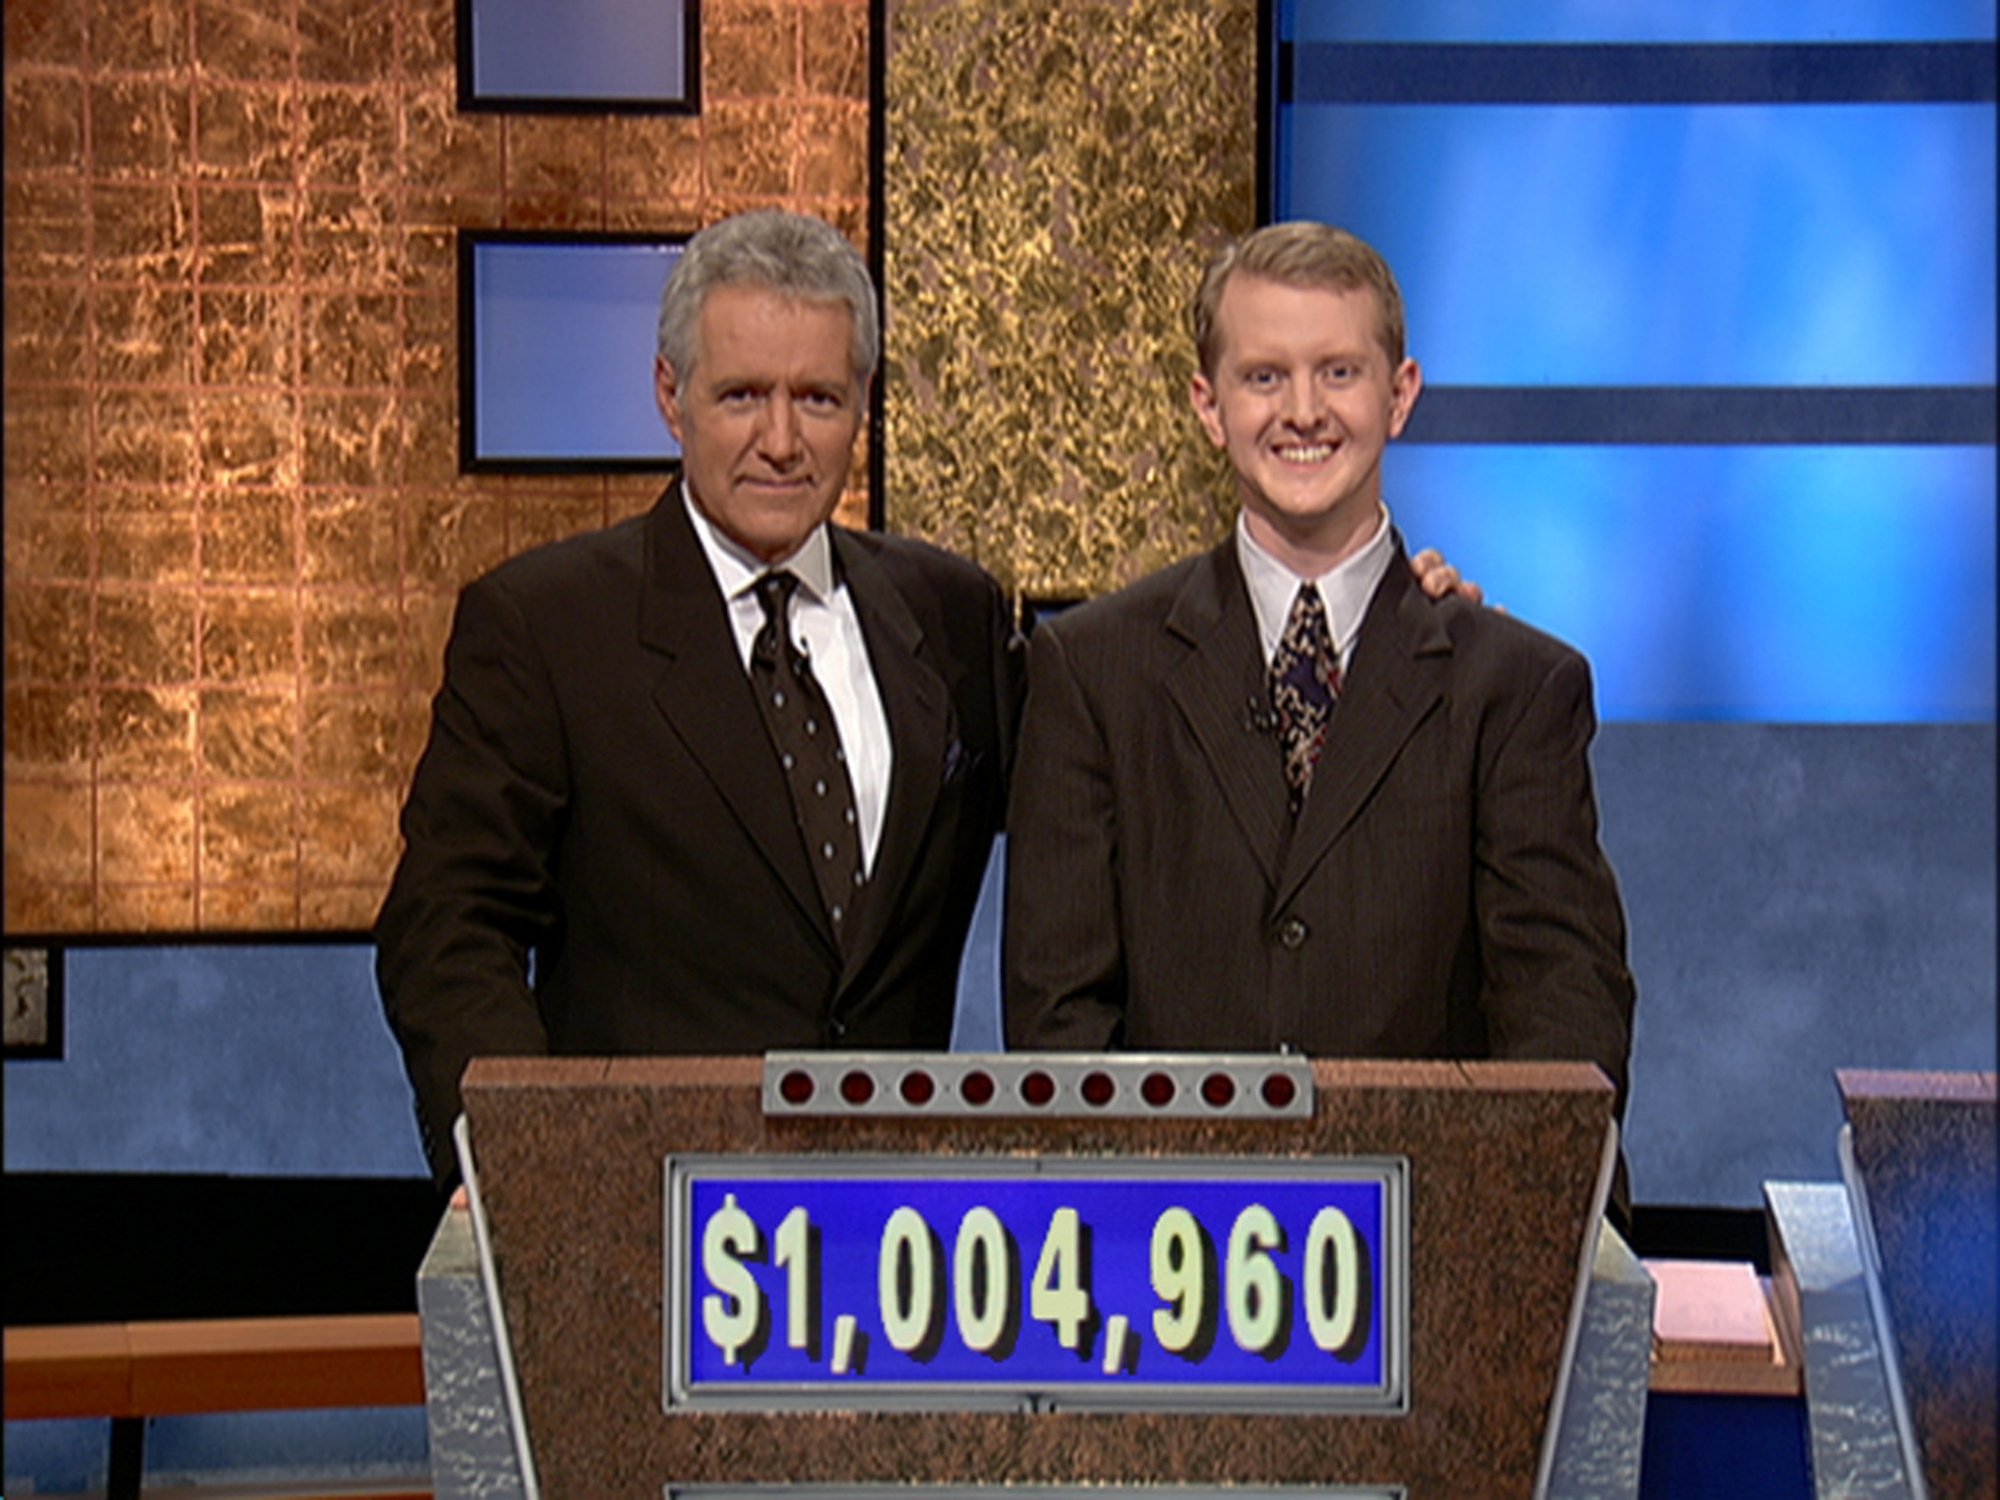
348 138
48 633
145 832
244 39
139 34
48 735
249 834
247 336
44 122
246 131
834 50
44 31
139 127
751 50
251 735
52 823
144 636
1056 176
350 639
345 41
147 733
47 228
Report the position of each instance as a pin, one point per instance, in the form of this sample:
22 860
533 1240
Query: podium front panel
1496 1172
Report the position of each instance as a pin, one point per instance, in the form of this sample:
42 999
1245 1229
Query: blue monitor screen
589 52
560 337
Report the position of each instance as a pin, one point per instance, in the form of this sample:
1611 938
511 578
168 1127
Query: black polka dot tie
809 751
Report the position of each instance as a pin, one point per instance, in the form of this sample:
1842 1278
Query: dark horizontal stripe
1706 414
1592 73
112 1247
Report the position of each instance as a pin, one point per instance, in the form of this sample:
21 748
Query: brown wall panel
234 519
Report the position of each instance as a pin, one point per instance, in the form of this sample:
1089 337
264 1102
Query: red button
857 1087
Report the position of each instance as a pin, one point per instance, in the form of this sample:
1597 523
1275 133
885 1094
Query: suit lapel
1396 679
918 707
704 695
1219 689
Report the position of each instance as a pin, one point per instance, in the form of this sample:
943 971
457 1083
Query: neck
1312 550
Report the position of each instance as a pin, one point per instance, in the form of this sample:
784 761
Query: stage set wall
235 524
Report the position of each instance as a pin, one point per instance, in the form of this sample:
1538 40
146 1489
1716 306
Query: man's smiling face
768 417
1304 400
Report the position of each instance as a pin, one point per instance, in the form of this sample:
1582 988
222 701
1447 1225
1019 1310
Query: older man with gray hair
723 777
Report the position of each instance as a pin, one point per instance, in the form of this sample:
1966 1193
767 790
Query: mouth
1305 453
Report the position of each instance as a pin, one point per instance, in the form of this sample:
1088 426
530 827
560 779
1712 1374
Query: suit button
836 1028
1293 932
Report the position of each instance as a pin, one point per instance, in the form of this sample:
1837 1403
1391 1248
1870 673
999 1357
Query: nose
1302 407
779 436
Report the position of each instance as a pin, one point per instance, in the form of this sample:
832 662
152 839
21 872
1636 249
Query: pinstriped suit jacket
1442 894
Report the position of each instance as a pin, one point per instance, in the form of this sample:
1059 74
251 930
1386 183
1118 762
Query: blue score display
1237 1285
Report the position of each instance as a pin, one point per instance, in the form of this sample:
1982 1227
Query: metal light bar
1025 1084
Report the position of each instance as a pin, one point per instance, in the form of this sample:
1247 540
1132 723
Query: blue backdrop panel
252 1059
1752 583
1705 244
1801 898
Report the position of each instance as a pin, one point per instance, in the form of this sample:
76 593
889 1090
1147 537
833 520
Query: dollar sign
735 1314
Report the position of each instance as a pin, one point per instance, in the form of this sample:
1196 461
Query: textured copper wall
235 523
1057 173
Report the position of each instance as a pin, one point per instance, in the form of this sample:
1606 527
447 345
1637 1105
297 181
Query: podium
1886 1285
834 1275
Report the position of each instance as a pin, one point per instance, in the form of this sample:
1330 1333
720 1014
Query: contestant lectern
831 1275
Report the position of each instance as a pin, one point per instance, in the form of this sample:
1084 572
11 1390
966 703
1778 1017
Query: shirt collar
1345 590
737 569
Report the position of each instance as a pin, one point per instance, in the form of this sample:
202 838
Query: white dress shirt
1345 591
825 627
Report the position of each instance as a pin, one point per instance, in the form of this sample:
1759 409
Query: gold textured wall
1057 173
234 519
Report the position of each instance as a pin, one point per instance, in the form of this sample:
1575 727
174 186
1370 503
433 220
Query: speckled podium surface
1506 1172
1924 1147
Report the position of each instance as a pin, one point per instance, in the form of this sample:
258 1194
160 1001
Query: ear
1404 389
1201 395
667 392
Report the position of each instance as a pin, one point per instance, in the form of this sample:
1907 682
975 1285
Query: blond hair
1299 254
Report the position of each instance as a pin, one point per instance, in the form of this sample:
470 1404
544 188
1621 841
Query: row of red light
1037 1088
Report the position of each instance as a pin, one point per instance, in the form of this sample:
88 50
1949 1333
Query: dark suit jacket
1441 895
600 790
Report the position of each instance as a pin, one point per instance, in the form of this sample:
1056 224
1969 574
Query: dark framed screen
636 56
557 341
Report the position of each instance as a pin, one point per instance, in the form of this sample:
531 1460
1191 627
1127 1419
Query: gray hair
793 255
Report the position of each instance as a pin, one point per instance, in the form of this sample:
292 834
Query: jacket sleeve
1551 926
1064 963
474 893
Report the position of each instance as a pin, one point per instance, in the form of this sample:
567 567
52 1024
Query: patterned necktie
1305 681
808 744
